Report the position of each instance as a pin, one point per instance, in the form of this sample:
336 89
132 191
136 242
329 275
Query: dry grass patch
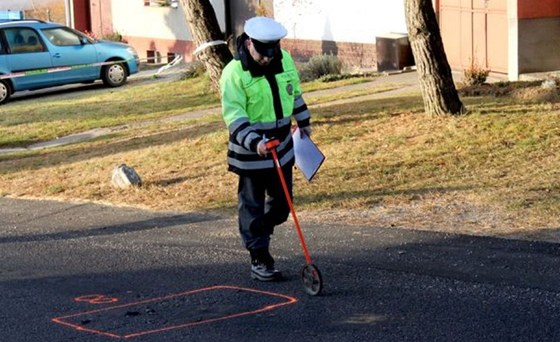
492 172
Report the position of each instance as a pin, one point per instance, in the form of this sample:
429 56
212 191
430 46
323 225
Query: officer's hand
305 131
261 149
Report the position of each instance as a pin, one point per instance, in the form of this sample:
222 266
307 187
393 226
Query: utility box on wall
393 52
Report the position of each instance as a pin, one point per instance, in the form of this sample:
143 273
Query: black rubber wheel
114 75
5 91
312 280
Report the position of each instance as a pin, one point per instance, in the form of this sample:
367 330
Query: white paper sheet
308 156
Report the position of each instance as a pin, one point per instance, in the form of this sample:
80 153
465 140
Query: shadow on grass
94 106
167 182
372 108
373 196
95 149
84 151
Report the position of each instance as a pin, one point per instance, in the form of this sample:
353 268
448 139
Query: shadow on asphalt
428 288
162 222
79 88
56 91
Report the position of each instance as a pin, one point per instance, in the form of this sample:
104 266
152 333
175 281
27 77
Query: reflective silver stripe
235 125
259 125
272 125
287 157
239 149
302 116
249 138
247 130
243 134
298 101
254 165
243 150
260 164
283 144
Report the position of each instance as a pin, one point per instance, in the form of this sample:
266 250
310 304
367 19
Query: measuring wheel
312 280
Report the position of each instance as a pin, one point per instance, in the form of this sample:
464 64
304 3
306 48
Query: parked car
35 54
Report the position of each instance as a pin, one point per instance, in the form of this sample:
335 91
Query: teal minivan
36 54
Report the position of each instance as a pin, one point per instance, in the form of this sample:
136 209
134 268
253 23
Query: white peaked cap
265 29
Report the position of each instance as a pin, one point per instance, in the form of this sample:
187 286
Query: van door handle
56 55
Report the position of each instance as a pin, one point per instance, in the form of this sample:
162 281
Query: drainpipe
69 10
513 40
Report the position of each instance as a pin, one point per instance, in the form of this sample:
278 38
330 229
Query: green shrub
114 36
320 66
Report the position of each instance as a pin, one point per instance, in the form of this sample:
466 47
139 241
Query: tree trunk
436 82
204 27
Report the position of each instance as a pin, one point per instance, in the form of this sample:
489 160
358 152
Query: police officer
261 94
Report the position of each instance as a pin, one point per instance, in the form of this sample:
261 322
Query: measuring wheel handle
272 143
310 275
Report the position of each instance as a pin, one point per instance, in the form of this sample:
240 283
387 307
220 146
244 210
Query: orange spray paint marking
174 311
96 299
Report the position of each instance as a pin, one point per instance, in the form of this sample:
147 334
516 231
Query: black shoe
263 272
262 266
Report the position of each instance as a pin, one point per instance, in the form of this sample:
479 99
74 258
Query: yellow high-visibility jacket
258 103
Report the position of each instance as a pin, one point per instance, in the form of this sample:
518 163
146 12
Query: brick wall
352 55
531 9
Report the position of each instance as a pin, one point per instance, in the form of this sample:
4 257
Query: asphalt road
85 272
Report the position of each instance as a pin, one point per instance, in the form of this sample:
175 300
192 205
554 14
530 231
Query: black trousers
262 206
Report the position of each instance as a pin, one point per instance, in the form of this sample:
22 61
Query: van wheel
5 91
114 75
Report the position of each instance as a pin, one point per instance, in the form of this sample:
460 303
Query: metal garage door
475 30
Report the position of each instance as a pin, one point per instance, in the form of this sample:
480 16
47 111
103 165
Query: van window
23 40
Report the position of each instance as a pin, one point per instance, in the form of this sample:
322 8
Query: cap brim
266 49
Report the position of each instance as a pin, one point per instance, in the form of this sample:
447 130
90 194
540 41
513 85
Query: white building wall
358 21
132 18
